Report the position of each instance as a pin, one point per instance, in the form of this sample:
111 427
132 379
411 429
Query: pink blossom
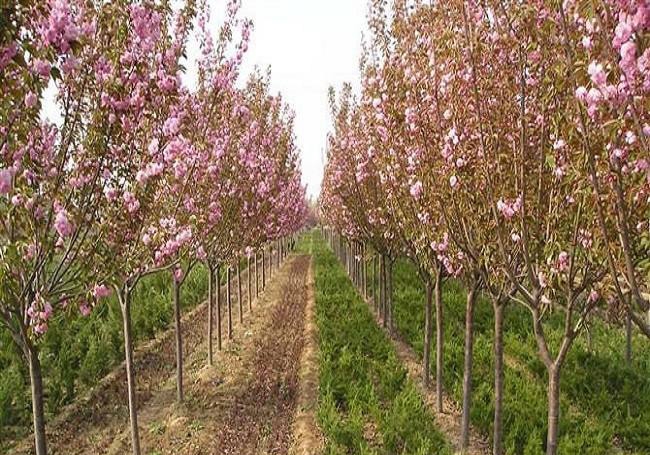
31 99
85 309
62 224
416 190
622 33
541 277
597 73
509 208
178 274
146 239
563 261
593 296
101 291
132 203
5 181
41 328
171 126
453 181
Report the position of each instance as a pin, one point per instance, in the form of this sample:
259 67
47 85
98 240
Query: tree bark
125 304
229 301
249 287
38 409
374 282
389 295
218 291
263 269
497 440
382 290
257 277
428 335
364 272
628 339
179 340
467 376
239 300
440 340
553 409
210 312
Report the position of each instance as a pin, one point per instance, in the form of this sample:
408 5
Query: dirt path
449 421
246 403
308 439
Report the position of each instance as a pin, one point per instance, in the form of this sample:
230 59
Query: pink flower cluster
509 208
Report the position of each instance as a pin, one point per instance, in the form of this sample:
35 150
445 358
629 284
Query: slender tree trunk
179 339
38 411
628 339
497 441
428 335
440 340
125 304
382 290
553 409
263 269
467 377
374 282
210 312
229 301
239 300
365 274
248 283
218 291
389 294
257 277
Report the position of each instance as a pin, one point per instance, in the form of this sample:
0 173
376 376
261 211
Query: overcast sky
310 45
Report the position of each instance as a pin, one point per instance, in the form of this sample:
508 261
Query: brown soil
245 404
308 439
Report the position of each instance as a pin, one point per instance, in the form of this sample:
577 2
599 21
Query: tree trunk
497 441
389 295
248 283
440 340
257 277
210 311
218 291
374 282
382 290
553 409
239 300
229 301
263 269
628 339
428 335
364 272
179 339
38 412
125 304
467 376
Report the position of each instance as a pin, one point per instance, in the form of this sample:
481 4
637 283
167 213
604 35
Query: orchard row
503 144
141 173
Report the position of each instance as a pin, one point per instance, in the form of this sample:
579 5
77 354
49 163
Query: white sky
309 45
